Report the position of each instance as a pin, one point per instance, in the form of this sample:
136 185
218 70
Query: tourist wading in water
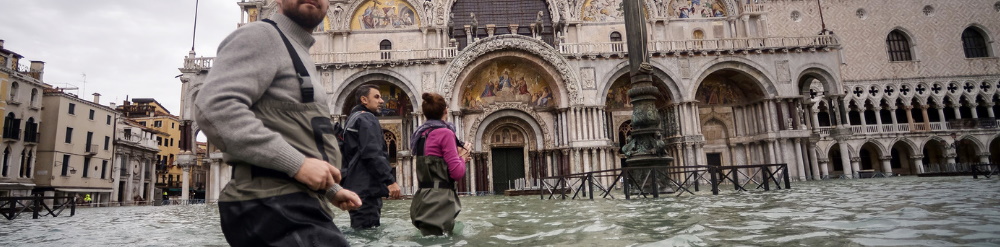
367 170
440 162
260 106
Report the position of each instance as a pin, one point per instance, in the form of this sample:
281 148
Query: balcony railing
735 44
753 8
352 57
198 63
384 56
588 48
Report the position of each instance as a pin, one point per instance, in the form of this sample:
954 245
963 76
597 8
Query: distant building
21 106
135 158
150 113
75 148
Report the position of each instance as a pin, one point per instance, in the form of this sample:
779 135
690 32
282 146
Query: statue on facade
475 25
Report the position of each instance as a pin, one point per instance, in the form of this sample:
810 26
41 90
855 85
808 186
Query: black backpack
341 131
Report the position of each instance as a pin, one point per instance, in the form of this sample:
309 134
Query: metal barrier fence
651 181
12 207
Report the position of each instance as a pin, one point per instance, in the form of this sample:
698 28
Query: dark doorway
508 165
714 159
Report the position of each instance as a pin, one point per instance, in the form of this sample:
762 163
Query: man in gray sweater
260 106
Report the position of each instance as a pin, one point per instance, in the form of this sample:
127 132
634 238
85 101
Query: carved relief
588 76
427 82
526 108
504 42
783 72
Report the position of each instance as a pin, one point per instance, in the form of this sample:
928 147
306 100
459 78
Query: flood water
902 211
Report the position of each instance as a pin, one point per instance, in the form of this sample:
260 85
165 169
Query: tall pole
645 146
194 31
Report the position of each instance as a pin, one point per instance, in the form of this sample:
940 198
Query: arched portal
726 100
397 102
967 151
901 161
507 140
871 158
835 161
934 156
618 105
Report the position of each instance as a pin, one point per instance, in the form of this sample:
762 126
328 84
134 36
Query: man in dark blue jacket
369 173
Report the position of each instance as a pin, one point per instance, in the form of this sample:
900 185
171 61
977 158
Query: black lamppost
645 147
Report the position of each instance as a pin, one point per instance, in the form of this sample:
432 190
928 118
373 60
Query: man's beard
306 20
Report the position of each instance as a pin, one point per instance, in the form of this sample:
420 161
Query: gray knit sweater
252 64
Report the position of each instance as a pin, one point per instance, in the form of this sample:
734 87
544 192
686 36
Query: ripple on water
906 211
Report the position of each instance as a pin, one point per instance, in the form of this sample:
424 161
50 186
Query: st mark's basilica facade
830 87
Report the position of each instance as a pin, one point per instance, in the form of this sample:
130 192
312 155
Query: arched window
974 43
899 46
698 34
13 91
31 130
385 46
34 96
11 126
616 37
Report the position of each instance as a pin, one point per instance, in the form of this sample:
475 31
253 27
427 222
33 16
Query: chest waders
265 207
435 205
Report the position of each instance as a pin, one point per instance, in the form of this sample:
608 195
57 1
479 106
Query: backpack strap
421 141
305 83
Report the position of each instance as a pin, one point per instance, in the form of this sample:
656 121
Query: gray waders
435 205
265 207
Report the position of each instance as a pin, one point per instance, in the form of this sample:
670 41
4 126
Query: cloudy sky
126 48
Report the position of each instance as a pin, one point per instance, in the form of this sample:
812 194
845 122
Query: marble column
845 159
973 106
918 161
989 109
811 151
887 165
892 115
800 163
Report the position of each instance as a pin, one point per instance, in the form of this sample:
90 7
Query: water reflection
888 212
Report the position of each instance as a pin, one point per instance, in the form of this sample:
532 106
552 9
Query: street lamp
185 160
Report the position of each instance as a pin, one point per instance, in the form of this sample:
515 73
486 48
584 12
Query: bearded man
261 107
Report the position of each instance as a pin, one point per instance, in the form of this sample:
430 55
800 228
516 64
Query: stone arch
820 72
740 65
569 88
882 151
622 69
929 139
979 144
909 144
344 90
985 32
510 109
515 123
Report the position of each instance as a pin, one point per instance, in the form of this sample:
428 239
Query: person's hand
394 192
335 173
346 200
467 146
463 153
317 174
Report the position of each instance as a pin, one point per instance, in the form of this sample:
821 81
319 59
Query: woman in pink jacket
440 162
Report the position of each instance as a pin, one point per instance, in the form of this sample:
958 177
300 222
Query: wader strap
437 184
305 83
421 141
